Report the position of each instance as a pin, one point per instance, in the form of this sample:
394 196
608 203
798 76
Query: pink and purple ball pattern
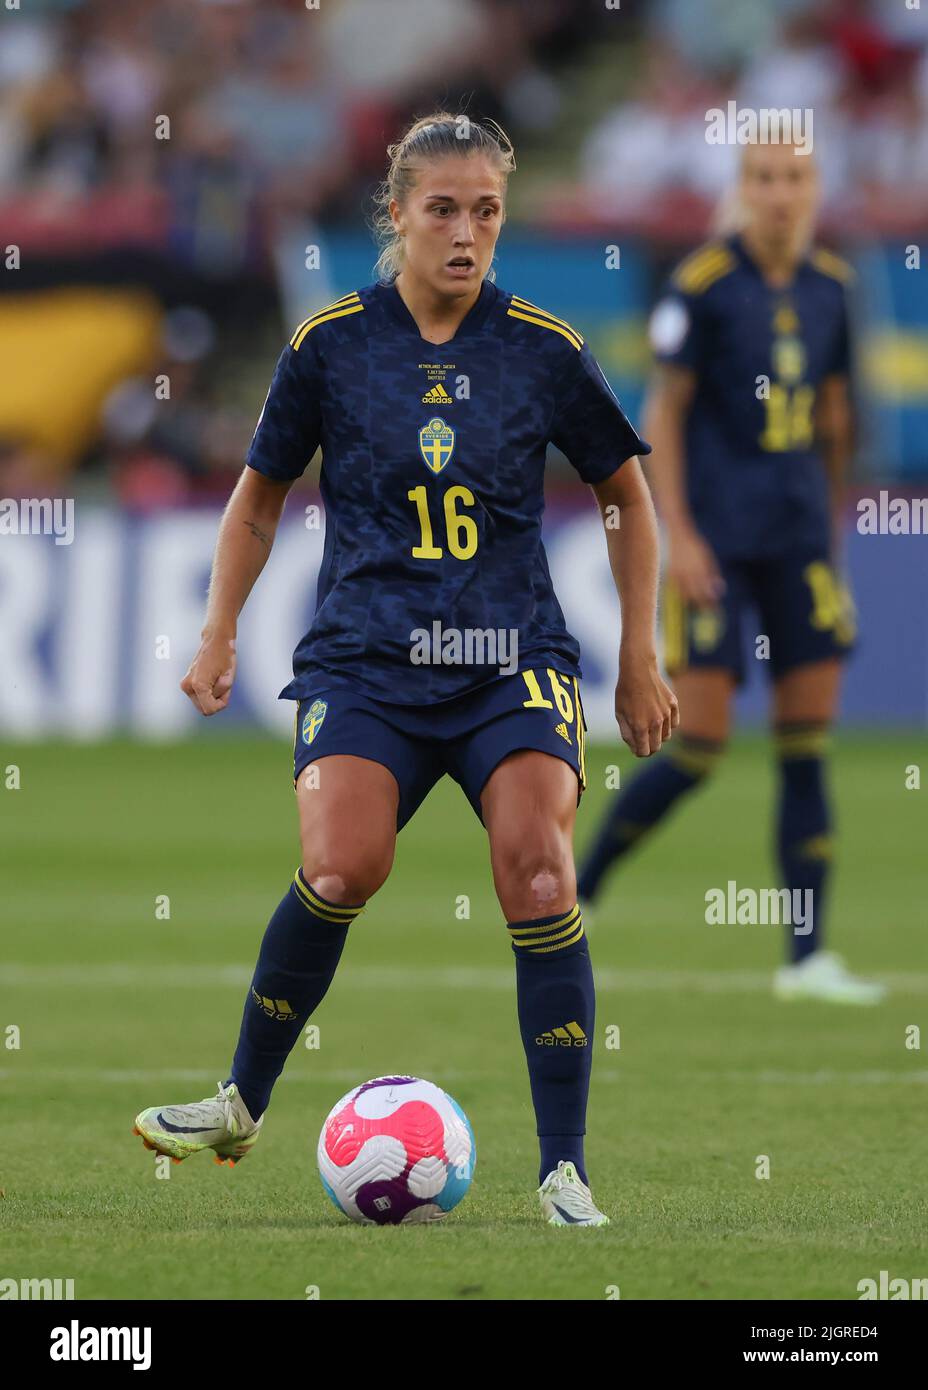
396 1150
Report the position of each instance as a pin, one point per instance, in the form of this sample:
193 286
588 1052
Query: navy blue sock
298 957
554 985
803 825
642 804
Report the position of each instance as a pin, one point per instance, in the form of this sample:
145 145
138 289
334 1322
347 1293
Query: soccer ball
396 1150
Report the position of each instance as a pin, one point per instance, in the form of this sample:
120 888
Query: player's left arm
834 426
645 706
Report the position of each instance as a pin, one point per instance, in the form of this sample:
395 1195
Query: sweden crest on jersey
312 720
436 444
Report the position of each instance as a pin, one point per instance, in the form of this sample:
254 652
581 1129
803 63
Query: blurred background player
751 427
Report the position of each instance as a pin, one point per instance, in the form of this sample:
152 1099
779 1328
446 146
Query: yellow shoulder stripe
530 313
527 306
545 323
703 268
835 266
701 256
353 297
348 304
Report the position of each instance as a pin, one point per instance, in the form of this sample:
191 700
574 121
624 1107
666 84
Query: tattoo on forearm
257 532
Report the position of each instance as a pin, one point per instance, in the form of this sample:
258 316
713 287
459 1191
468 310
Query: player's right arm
286 438
246 535
691 565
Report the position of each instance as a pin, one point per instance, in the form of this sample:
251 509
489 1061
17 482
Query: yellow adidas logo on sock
274 1008
571 1035
437 396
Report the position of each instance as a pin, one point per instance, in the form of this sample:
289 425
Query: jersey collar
472 322
747 261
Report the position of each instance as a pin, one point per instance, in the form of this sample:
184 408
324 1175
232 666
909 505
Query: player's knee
697 757
534 880
348 884
547 886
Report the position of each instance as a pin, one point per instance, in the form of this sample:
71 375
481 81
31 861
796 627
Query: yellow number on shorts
832 608
537 701
562 699
461 530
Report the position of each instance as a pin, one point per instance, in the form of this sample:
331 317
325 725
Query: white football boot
823 975
566 1201
220 1122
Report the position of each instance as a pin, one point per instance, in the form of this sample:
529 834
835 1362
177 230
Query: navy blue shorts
797 602
466 737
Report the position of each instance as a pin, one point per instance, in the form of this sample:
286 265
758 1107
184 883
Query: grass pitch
118 1009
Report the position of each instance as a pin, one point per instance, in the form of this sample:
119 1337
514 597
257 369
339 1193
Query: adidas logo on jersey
571 1035
562 730
437 396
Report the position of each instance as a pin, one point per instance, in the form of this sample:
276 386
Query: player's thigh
529 805
705 697
808 694
348 809
808 615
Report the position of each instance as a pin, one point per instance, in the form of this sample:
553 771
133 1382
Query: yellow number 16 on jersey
461 530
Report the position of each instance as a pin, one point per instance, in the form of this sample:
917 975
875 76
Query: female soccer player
437 643
750 419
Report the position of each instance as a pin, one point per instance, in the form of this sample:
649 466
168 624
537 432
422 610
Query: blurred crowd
193 148
861 66
190 148
274 106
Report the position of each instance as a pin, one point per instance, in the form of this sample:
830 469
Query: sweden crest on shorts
312 720
436 444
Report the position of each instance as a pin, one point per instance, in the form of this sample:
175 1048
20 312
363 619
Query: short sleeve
677 330
590 427
289 426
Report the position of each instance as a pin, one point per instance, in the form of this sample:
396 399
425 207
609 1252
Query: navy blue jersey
756 484
432 477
